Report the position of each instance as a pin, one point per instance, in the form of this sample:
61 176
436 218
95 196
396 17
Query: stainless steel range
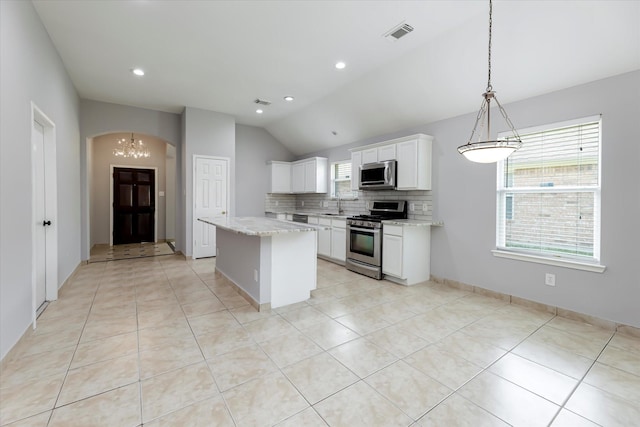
364 237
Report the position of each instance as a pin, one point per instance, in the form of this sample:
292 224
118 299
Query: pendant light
489 151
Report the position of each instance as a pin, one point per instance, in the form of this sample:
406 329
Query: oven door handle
366 230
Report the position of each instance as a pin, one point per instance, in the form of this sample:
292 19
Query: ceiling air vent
398 31
262 101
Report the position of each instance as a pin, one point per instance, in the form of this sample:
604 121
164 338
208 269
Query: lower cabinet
406 253
339 239
324 238
332 243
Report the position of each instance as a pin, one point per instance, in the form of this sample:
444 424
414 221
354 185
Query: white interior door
211 186
40 261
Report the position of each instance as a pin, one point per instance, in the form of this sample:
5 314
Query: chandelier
133 148
490 151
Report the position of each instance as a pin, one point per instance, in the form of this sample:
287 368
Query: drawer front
324 221
339 223
313 220
394 230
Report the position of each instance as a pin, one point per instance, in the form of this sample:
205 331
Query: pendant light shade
489 150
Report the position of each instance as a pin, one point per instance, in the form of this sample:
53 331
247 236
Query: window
341 180
548 193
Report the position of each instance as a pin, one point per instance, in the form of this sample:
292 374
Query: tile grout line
580 381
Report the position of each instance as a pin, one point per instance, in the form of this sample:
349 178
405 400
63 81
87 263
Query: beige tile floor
166 342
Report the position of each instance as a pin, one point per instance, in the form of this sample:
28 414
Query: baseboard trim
561 312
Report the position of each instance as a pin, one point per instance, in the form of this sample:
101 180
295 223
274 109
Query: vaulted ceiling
222 55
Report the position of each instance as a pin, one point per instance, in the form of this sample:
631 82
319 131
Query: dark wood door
133 205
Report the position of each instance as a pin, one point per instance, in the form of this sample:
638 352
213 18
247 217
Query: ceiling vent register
399 31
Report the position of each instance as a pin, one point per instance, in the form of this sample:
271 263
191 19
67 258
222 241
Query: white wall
210 134
99 118
101 161
31 70
254 147
464 197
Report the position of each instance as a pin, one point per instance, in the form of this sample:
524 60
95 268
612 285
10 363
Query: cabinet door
407 164
297 177
280 177
339 244
356 161
370 156
392 255
324 242
310 177
387 152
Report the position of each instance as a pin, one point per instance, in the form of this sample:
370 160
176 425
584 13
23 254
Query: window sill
558 262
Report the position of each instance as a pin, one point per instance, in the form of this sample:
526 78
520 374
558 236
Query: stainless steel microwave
378 176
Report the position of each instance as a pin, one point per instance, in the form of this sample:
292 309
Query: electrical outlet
425 207
302 203
412 207
276 203
255 275
550 279
325 204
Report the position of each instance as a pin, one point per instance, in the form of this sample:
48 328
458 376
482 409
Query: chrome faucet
340 210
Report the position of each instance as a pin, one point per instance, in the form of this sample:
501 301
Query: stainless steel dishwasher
300 218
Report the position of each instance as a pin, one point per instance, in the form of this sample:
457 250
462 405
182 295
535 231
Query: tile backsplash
323 203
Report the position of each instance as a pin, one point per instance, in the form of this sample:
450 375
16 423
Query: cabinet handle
45 223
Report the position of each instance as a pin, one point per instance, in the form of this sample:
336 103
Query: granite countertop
323 214
413 222
260 226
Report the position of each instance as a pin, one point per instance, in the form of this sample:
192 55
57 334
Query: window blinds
549 193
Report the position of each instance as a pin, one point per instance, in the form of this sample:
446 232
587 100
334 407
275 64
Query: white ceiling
221 55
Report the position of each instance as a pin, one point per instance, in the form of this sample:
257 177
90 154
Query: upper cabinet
304 176
414 164
356 161
280 177
413 154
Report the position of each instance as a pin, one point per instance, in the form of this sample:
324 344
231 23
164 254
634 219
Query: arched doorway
131 200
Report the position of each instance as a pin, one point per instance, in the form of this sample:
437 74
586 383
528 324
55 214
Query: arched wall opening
100 162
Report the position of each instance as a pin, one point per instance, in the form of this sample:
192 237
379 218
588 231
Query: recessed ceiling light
340 65
288 98
259 111
138 71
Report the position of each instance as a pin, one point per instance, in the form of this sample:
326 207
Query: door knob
45 223
224 213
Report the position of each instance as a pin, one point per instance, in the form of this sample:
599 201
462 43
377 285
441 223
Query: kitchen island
270 262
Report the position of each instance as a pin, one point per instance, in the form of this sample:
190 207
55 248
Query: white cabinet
279 177
413 154
309 175
406 253
298 177
324 238
356 161
379 154
369 156
339 239
414 164
387 152
332 242
392 255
